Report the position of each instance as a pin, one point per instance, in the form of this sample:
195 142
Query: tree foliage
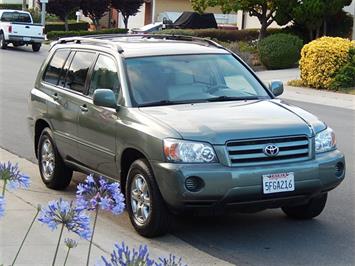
267 11
127 8
312 14
63 8
95 9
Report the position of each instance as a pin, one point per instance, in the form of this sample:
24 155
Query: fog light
194 183
339 169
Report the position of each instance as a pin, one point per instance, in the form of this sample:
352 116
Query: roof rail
79 40
160 36
100 39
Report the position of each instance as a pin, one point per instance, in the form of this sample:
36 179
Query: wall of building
176 6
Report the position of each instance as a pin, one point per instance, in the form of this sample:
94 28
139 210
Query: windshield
16 17
165 80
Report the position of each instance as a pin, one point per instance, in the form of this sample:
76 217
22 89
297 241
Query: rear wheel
146 207
3 43
55 174
307 211
36 47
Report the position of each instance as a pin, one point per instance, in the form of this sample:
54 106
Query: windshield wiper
228 98
162 102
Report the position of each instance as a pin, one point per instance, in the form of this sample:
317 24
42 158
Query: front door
98 125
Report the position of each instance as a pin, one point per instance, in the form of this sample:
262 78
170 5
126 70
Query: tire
157 220
36 47
54 173
307 211
3 44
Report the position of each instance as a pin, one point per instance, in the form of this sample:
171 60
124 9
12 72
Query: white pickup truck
17 27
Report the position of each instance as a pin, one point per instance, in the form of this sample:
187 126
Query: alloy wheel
140 199
47 159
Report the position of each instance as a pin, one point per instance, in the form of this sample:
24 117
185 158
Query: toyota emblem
271 150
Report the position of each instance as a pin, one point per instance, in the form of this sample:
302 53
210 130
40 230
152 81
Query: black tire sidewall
153 226
61 176
4 45
36 47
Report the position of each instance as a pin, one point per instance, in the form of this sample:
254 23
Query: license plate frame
26 39
278 182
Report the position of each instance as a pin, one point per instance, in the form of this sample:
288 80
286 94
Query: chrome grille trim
251 151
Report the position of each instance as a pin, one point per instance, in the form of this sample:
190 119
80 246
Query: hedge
322 59
54 35
59 26
221 35
11 6
280 50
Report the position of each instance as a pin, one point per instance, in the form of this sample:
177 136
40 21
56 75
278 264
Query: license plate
281 182
26 39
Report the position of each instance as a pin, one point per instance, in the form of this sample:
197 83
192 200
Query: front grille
245 152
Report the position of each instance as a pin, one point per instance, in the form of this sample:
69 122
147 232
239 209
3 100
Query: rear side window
78 70
54 68
16 17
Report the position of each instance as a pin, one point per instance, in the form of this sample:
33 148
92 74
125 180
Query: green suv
184 125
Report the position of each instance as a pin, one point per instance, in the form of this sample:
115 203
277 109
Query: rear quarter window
54 68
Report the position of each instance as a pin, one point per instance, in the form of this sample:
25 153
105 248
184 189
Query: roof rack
100 39
79 40
163 37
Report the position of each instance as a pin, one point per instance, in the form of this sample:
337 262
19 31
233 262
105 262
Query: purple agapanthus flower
61 212
2 206
70 243
123 256
101 194
170 261
11 174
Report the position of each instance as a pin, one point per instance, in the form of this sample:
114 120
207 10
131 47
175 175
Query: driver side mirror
105 98
276 87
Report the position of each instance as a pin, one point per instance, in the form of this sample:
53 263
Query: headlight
325 140
188 151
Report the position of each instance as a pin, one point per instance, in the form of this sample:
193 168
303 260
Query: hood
219 122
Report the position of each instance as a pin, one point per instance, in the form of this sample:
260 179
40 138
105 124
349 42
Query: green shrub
220 35
280 50
54 35
345 77
11 6
73 26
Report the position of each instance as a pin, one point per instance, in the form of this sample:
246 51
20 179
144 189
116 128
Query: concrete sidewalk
307 94
41 243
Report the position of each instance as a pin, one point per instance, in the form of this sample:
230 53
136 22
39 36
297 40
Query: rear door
62 114
67 98
98 125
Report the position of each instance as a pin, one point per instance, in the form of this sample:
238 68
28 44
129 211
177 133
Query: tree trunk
24 7
263 30
125 21
66 22
310 34
325 28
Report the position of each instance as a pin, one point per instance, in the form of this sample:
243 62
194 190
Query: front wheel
3 43
309 210
145 205
55 174
36 47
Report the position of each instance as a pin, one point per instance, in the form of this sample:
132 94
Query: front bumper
241 187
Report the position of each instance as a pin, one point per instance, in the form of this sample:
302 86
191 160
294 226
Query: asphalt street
265 238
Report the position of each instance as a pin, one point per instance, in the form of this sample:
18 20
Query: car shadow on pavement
265 238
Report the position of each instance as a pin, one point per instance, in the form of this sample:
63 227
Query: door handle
84 108
55 97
